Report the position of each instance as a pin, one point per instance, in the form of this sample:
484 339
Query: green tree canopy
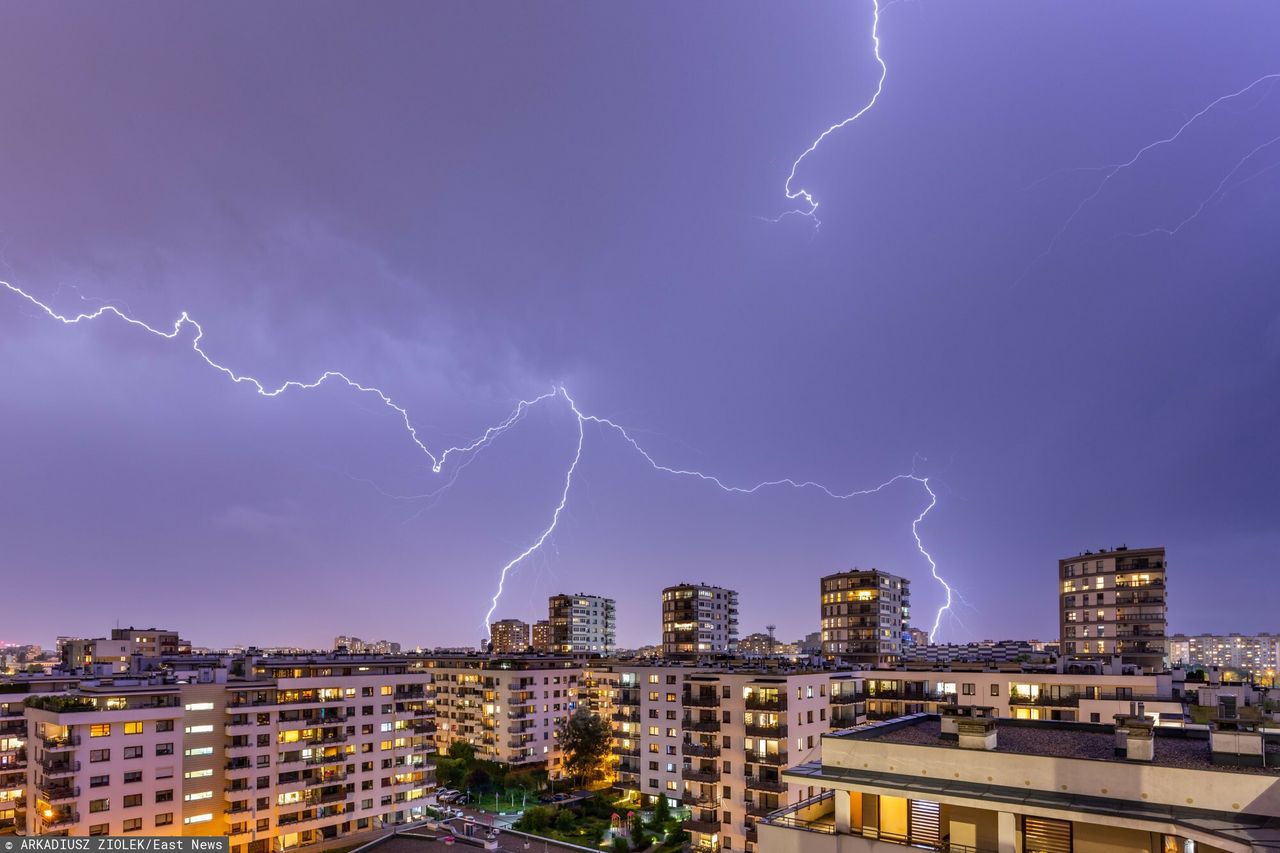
585 740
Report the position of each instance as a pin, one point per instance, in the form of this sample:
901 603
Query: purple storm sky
463 203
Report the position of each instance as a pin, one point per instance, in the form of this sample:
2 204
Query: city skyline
427 224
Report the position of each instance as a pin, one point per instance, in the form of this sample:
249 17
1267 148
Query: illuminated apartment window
136 728
100 730
198 818
200 706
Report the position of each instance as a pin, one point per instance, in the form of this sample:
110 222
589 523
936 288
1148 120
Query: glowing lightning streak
494 431
801 193
185 319
1112 170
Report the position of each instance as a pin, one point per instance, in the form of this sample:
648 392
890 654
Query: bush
642 841
620 844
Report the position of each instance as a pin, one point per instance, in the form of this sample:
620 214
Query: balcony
762 783
700 774
618 749
705 699
757 809
58 793
59 768
847 698
326 779
767 702
708 827
55 744
625 716
776 728
59 820
775 759
1045 700
237 807
700 750
702 725
698 801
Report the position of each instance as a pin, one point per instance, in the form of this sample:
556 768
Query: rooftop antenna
771 629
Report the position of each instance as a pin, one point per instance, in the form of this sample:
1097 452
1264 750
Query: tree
478 778
462 751
661 814
585 740
620 844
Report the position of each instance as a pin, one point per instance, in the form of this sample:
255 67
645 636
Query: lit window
100 730
198 818
134 728
200 706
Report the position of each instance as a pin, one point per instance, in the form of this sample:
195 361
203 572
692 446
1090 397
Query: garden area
590 823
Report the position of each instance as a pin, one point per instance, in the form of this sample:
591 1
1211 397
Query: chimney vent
976 733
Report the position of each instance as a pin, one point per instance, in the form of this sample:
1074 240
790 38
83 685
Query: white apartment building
699 621
715 740
1258 654
966 783
277 753
582 624
509 709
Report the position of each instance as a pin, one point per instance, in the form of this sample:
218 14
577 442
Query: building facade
276 753
582 624
541 636
699 621
968 783
508 709
509 637
1113 604
865 615
1257 654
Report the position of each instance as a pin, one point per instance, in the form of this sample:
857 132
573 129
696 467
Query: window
264 824
99 755
99 781
132 801
198 795
198 818
133 728
132 776
133 752
165 796
99 805
199 730
133 824
968 690
197 774
995 689
200 706
164 749
99 829
164 725
198 750
100 730
164 819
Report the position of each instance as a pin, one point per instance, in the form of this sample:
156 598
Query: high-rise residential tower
865 614
1112 604
509 637
581 624
699 621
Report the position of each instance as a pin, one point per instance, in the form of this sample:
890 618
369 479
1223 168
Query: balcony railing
773 729
702 725
708 699
59 768
693 800
56 793
777 759
762 783
756 702
756 809
847 698
56 743
709 827
1045 700
619 749
700 774
626 716
700 750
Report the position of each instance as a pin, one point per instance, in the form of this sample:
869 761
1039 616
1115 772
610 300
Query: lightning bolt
1113 169
469 450
810 204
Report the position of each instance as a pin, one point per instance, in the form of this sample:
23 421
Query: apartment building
1258 654
277 753
716 739
541 632
508 709
509 637
968 783
582 624
150 642
699 621
1113 604
1031 694
865 615
985 651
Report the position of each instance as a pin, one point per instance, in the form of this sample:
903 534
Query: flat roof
1174 747
426 841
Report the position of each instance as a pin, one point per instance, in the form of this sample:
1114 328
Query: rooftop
423 841
1187 748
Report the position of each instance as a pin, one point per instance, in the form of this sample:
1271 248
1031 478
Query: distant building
149 642
1113 604
986 651
864 616
357 646
763 645
699 621
811 644
1256 653
917 637
542 641
509 637
582 624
